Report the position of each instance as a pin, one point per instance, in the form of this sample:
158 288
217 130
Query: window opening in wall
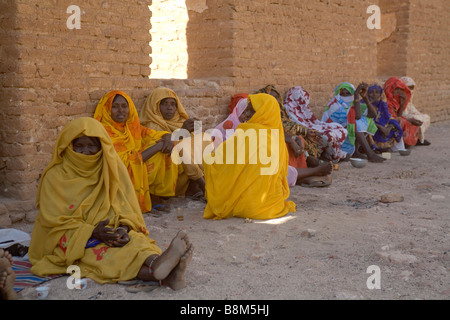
169 45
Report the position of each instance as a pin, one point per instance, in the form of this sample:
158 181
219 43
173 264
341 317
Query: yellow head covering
157 175
241 190
150 114
76 192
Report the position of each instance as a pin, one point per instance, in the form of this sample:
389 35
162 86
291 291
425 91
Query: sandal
143 287
129 282
318 182
197 197
160 207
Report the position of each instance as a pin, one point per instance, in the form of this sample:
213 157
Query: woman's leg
320 171
371 155
156 268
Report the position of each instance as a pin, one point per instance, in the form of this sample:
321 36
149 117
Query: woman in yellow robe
249 188
163 111
87 217
145 152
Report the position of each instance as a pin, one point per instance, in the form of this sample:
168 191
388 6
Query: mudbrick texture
51 74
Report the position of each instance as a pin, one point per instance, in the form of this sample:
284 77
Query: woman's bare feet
325 169
7 276
177 278
170 258
373 157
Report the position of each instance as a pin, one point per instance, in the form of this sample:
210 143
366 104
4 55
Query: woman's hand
105 234
113 238
314 136
123 237
188 125
167 143
296 144
363 90
415 122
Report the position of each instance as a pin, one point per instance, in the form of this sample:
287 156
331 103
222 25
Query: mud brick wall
429 56
313 44
50 74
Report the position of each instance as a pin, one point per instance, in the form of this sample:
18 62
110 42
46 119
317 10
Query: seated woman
146 153
345 109
412 114
89 216
398 97
163 111
389 136
297 135
332 135
250 189
298 171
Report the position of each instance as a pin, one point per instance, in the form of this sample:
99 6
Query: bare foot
325 169
375 158
171 257
177 278
7 255
7 277
359 155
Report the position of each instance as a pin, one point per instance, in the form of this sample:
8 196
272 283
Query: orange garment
297 162
158 175
410 132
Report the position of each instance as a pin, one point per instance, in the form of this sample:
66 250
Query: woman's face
374 95
120 109
247 114
345 93
87 145
411 88
168 108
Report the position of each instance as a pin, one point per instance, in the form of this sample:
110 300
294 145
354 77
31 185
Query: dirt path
322 251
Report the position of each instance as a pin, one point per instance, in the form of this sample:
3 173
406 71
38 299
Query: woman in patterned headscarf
332 135
297 135
411 113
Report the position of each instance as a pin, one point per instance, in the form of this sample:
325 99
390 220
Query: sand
325 249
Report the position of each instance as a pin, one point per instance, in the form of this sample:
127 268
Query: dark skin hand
385 130
296 144
188 125
314 136
361 92
399 92
113 238
372 112
164 145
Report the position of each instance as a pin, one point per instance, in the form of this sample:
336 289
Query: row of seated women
108 170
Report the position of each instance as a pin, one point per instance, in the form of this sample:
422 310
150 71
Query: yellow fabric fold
242 190
158 175
150 116
77 192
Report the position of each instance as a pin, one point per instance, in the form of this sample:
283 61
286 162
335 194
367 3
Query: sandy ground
324 250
